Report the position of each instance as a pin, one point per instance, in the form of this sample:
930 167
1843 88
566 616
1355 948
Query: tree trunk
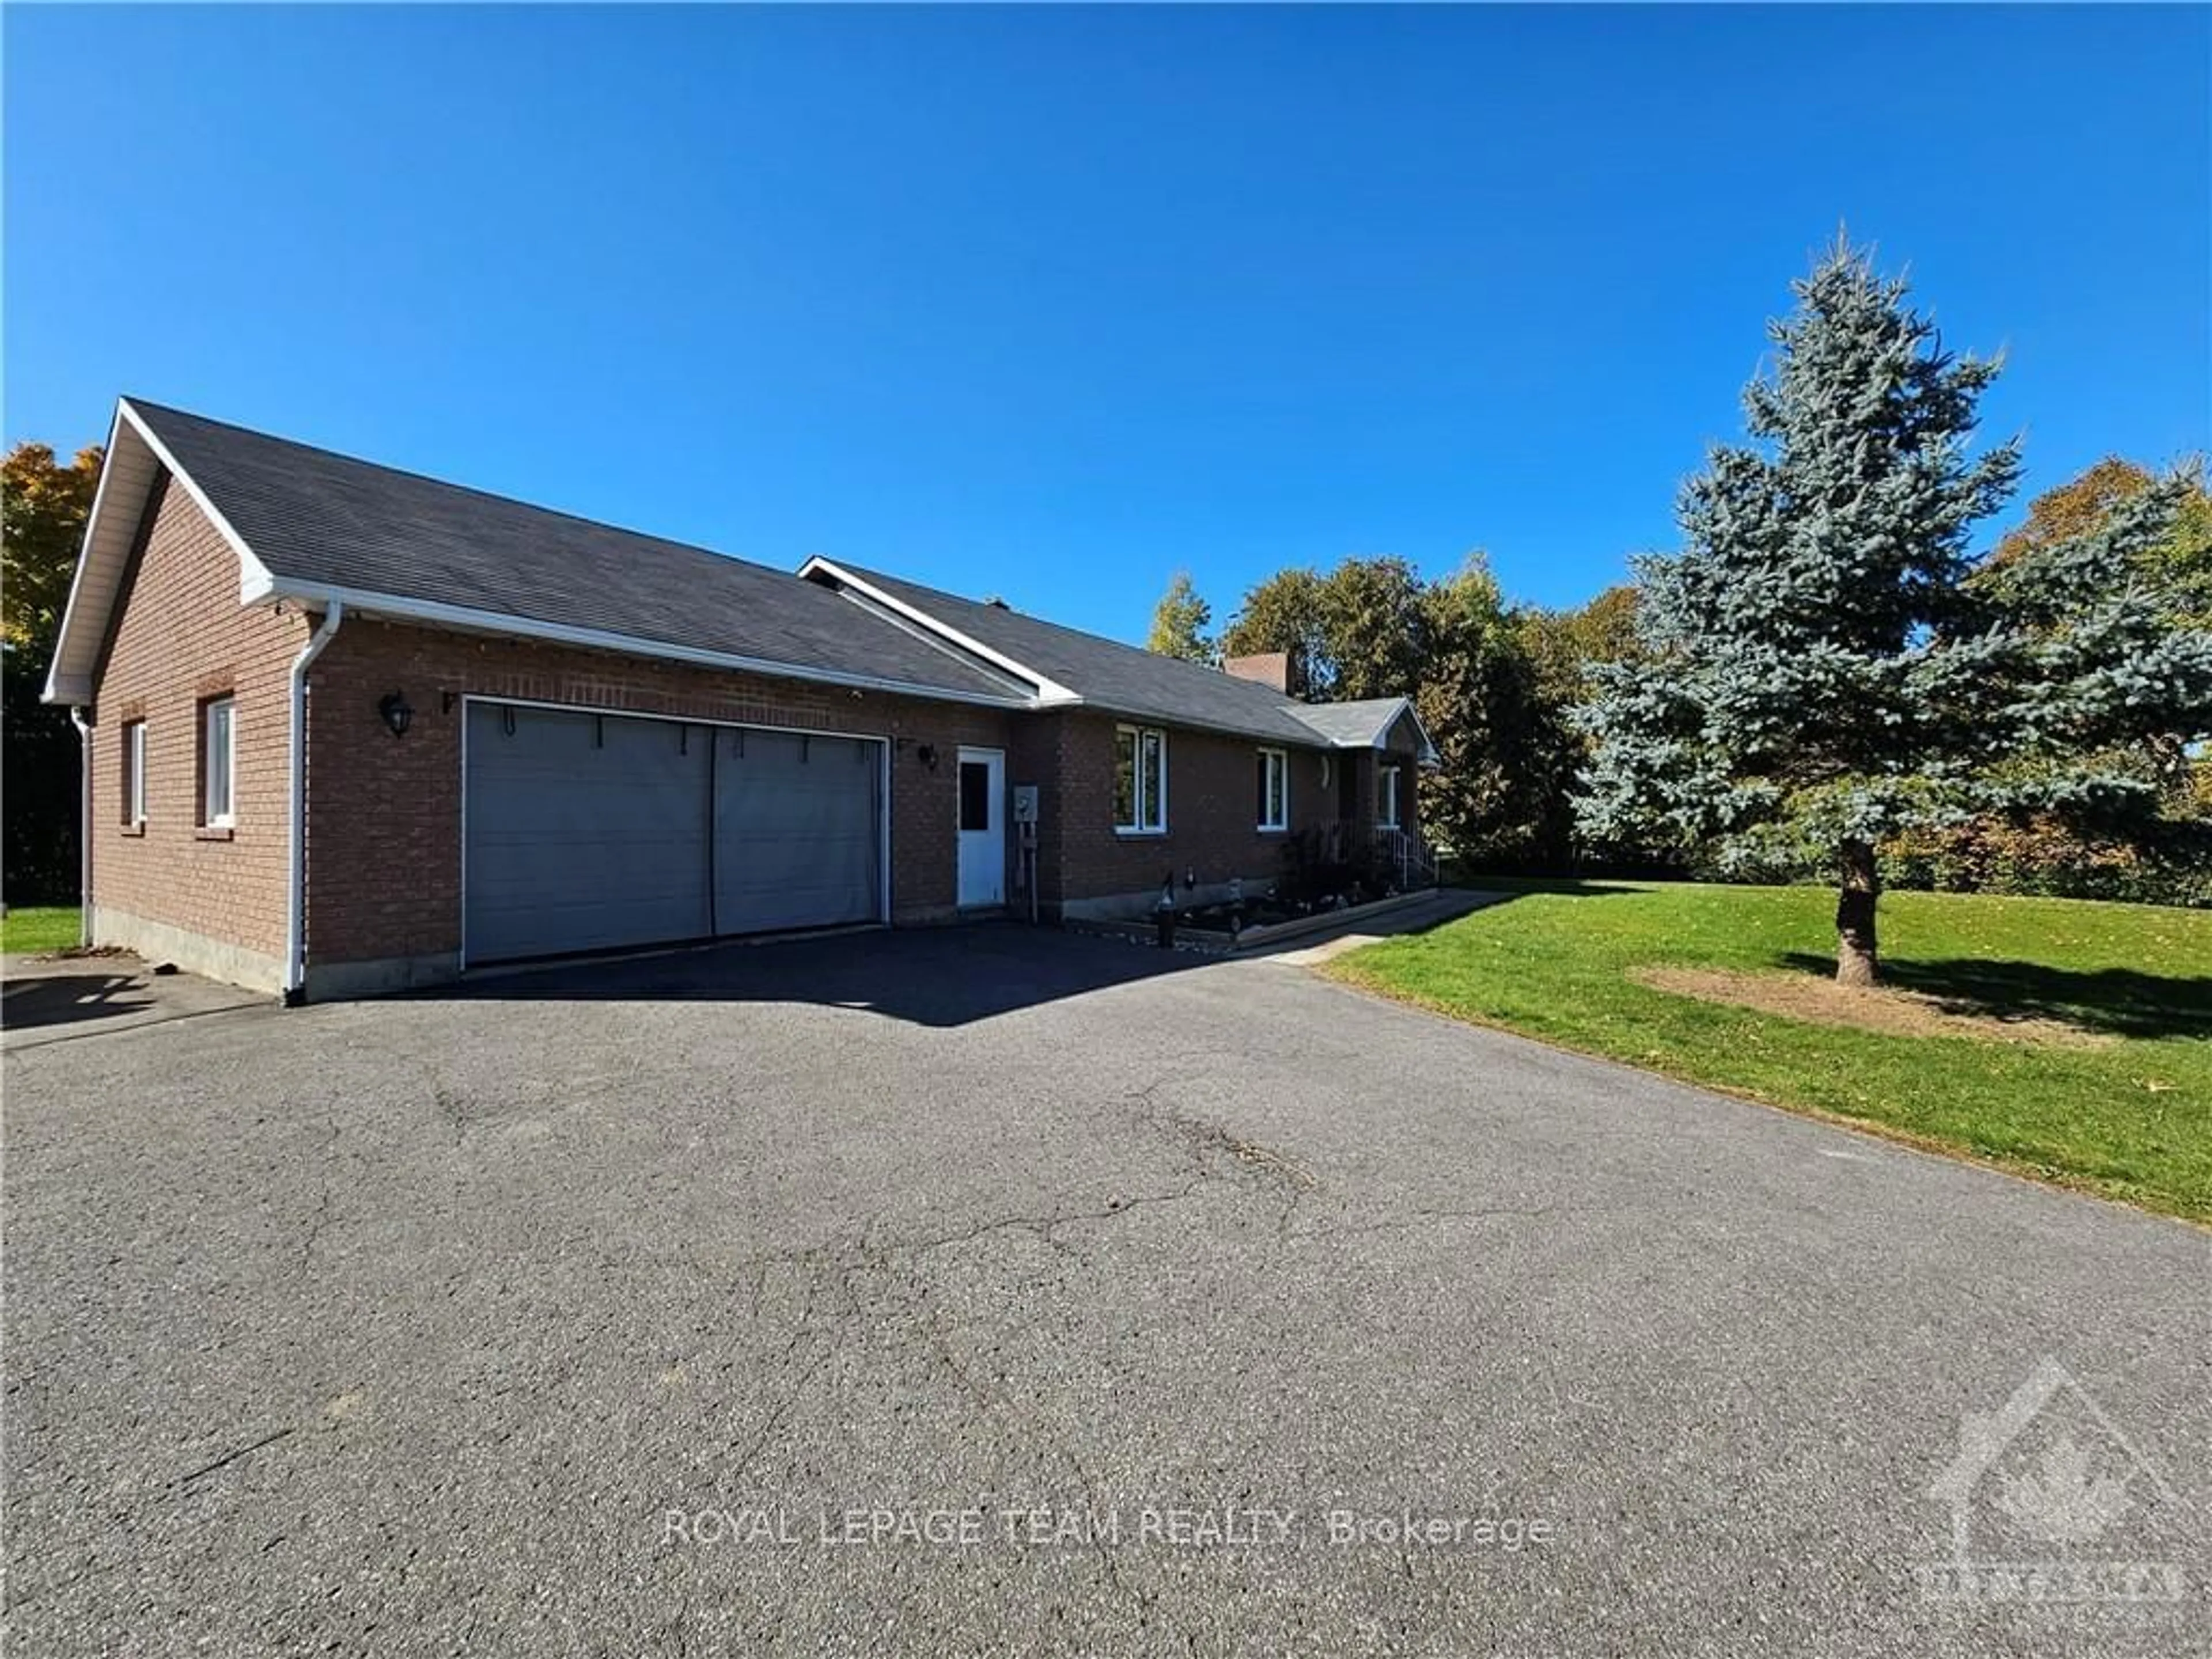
1856 960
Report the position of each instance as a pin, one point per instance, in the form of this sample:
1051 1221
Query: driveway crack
1044 1226
230 1457
320 1219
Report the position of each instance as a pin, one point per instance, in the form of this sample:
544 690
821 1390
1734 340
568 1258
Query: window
218 763
134 773
1386 797
975 794
1140 781
1275 789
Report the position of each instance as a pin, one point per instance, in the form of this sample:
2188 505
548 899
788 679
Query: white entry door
982 827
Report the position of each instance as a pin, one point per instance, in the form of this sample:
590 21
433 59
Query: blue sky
1052 303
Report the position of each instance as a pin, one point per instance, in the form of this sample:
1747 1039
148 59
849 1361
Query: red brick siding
384 814
181 636
1034 757
384 821
1364 764
1213 810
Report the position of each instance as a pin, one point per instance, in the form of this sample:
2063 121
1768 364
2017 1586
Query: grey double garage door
588 832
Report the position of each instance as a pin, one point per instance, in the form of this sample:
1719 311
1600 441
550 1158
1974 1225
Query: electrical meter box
1025 803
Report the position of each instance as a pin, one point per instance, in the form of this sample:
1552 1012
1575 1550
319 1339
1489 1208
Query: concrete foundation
196 953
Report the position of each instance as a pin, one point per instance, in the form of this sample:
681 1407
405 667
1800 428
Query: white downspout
84 825
295 910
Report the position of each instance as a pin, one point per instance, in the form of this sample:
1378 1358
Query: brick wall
1213 811
179 638
383 819
1360 767
384 814
1033 758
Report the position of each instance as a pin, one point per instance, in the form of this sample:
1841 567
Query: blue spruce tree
1829 667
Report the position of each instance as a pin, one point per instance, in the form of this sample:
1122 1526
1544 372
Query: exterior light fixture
396 712
927 756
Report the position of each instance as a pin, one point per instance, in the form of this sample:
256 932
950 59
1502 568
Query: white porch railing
1413 860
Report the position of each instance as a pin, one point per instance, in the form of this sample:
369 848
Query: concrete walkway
1445 904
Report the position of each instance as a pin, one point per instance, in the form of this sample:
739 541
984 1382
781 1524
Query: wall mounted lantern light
396 712
927 756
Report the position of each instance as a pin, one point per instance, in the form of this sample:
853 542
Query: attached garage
591 832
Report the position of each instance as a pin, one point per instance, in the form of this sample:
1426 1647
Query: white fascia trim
253 579
944 648
361 602
1050 692
1427 756
252 575
78 688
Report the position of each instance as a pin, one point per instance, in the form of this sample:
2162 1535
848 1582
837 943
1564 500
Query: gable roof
1366 724
1068 665
315 526
318 528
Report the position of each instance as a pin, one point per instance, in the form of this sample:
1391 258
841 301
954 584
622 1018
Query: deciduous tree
1499 796
2183 558
43 507
1358 630
1179 621
1286 612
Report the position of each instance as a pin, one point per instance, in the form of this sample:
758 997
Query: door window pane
975 795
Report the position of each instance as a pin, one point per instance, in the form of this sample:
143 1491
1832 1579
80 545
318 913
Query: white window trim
1140 795
228 818
134 763
1279 768
1390 800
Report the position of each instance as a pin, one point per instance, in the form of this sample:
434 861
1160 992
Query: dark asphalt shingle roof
1352 723
1105 673
321 520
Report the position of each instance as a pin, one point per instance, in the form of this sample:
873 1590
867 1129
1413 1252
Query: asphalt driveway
984 1291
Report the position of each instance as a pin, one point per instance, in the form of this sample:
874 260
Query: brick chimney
1278 670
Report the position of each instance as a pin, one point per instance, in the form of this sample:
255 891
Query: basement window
218 762
1274 798
1140 781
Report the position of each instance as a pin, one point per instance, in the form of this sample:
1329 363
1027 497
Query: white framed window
218 762
134 773
1140 781
1386 797
1274 790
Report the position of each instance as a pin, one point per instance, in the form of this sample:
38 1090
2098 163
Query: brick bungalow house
348 729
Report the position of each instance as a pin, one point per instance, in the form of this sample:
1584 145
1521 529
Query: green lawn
2130 1118
46 929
